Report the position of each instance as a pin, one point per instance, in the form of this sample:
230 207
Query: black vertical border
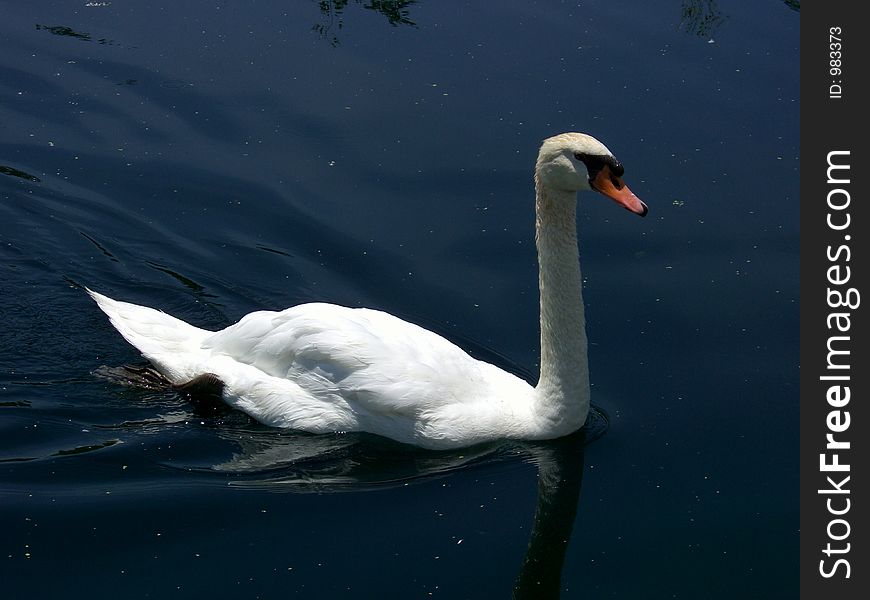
833 124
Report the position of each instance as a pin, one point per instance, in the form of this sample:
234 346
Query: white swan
326 368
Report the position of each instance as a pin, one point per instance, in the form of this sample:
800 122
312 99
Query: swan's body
326 368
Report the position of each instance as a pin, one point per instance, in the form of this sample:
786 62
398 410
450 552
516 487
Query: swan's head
575 161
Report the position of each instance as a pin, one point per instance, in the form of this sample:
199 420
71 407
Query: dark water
213 158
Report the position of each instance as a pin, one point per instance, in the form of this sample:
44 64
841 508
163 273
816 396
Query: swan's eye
593 163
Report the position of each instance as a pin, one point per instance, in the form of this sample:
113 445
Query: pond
212 159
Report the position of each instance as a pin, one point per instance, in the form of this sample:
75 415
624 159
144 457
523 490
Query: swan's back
388 373
324 368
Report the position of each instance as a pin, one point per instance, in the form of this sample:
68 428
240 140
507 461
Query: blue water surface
215 158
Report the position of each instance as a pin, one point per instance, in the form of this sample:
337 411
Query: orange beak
612 186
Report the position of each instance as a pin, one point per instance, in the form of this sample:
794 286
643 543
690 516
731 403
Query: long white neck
562 393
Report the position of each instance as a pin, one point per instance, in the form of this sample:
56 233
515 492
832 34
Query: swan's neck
562 393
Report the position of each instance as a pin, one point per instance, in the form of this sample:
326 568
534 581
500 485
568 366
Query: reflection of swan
298 462
560 472
301 463
304 463
324 368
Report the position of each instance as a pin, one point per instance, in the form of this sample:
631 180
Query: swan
323 368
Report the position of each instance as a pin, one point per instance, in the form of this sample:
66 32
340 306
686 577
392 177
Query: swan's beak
612 186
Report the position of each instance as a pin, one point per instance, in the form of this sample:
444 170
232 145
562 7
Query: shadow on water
697 17
65 31
332 15
13 172
701 17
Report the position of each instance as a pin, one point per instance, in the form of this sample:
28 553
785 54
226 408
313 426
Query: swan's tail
171 345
